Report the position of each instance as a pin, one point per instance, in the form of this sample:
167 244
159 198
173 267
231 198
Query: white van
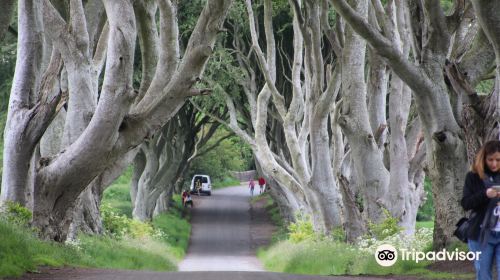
206 184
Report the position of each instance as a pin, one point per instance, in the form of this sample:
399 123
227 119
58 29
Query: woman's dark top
474 198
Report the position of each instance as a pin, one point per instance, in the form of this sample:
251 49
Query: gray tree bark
445 149
109 134
31 105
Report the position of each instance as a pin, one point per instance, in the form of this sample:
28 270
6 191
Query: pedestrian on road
262 184
251 185
198 186
481 196
184 195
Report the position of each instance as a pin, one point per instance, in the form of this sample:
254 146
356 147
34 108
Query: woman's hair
487 149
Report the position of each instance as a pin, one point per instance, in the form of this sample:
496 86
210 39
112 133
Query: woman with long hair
482 196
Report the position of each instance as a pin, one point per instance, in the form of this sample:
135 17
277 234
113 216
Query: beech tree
164 159
346 104
103 123
439 96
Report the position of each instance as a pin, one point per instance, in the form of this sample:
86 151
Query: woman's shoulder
471 175
473 178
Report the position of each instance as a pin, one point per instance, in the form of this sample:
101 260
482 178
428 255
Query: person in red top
184 196
262 184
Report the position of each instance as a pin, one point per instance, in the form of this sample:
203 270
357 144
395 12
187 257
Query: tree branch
409 73
79 26
438 38
268 69
215 145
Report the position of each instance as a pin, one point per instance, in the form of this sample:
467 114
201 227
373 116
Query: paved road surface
101 274
220 237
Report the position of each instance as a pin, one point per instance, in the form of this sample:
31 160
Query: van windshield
202 178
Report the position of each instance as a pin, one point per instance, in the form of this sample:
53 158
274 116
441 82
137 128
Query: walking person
262 185
481 196
251 185
198 186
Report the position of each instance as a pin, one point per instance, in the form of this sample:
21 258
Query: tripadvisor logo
387 255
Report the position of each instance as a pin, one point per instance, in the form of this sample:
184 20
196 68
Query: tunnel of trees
346 107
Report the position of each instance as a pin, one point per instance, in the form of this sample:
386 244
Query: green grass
329 257
21 251
334 257
176 227
142 254
174 223
117 196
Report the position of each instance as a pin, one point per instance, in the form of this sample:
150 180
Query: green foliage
388 227
230 154
114 224
16 213
120 226
329 256
188 13
226 182
338 234
171 228
306 252
177 231
302 229
116 212
447 5
117 196
485 87
140 230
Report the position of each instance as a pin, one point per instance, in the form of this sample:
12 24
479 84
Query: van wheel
209 193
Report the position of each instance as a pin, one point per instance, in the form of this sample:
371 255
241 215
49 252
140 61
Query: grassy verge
176 227
328 257
22 251
320 255
156 246
273 211
174 224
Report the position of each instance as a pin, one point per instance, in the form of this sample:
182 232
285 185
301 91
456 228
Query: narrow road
220 237
220 248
